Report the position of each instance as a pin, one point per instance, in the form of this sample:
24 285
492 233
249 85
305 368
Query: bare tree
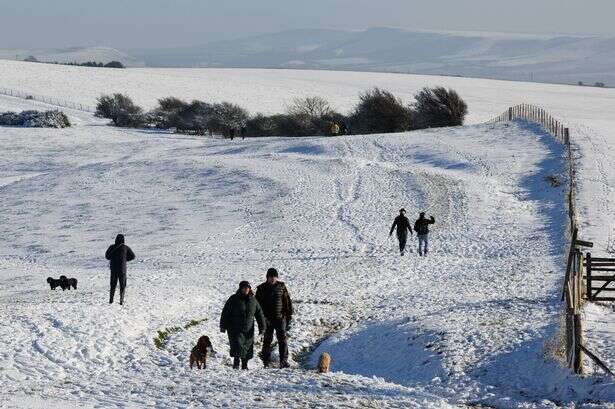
311 107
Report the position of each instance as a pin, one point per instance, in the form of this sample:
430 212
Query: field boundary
47 100
574 290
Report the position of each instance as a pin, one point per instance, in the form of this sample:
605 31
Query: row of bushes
35 119
378 111
111 64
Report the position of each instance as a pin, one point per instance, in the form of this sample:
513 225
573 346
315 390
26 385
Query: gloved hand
288 326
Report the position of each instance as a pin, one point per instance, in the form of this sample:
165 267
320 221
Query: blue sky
168 23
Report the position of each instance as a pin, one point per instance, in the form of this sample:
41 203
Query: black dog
63 282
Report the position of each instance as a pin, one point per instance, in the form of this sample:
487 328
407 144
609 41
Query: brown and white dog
324 362
199 352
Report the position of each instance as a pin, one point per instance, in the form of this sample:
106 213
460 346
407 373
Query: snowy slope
467 325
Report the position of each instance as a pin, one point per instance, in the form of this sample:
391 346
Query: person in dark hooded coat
118 255
237 320
402 224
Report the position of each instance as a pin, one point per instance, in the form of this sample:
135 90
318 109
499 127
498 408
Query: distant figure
118 254
237 320
274 299
403 227
231 133
421 227
244 131
344 129
335 129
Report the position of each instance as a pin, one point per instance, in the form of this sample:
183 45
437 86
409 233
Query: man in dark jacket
277 306
421 227
403 227
118 254
237 320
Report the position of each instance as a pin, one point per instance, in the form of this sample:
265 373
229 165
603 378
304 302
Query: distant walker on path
421 227
403 227
118 254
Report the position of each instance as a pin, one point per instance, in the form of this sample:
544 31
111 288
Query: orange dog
199 352
324 362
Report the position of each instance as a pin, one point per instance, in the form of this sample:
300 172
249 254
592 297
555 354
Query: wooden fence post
578 341
510 113
588 266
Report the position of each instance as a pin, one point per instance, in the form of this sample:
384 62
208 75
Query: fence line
47 100
573 289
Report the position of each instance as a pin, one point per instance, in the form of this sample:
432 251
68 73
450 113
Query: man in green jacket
238 321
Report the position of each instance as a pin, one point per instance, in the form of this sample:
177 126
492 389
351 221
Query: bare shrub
120 110
439 107
379 111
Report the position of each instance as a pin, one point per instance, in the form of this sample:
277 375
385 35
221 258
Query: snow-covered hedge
35 119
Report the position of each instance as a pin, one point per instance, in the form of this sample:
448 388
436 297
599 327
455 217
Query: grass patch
162 336
193 323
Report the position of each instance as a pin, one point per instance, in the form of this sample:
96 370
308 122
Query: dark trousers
280 332
403 238
115 277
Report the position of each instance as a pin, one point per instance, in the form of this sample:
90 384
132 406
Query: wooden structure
597 284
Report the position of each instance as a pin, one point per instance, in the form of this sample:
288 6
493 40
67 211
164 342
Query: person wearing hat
421 227
237 320
277 306
118 255
403 227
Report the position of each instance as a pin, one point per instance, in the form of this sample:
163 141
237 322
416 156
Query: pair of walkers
272 309
421 227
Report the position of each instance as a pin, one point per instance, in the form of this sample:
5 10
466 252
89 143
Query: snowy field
471 325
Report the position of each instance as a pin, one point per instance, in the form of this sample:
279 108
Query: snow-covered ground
466 326
471 324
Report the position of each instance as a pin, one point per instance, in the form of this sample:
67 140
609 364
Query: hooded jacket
118 254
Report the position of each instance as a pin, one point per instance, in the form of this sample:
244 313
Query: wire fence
47 100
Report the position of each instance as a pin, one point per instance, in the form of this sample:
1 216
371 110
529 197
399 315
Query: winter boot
236 362
284 364
244 364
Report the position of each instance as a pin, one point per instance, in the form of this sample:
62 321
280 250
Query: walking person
118 255
421 227
403 227
273 297
237 320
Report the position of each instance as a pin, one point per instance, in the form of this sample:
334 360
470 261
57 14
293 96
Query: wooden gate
599 283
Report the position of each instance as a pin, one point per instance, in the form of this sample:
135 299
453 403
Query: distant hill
74 54
564 59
